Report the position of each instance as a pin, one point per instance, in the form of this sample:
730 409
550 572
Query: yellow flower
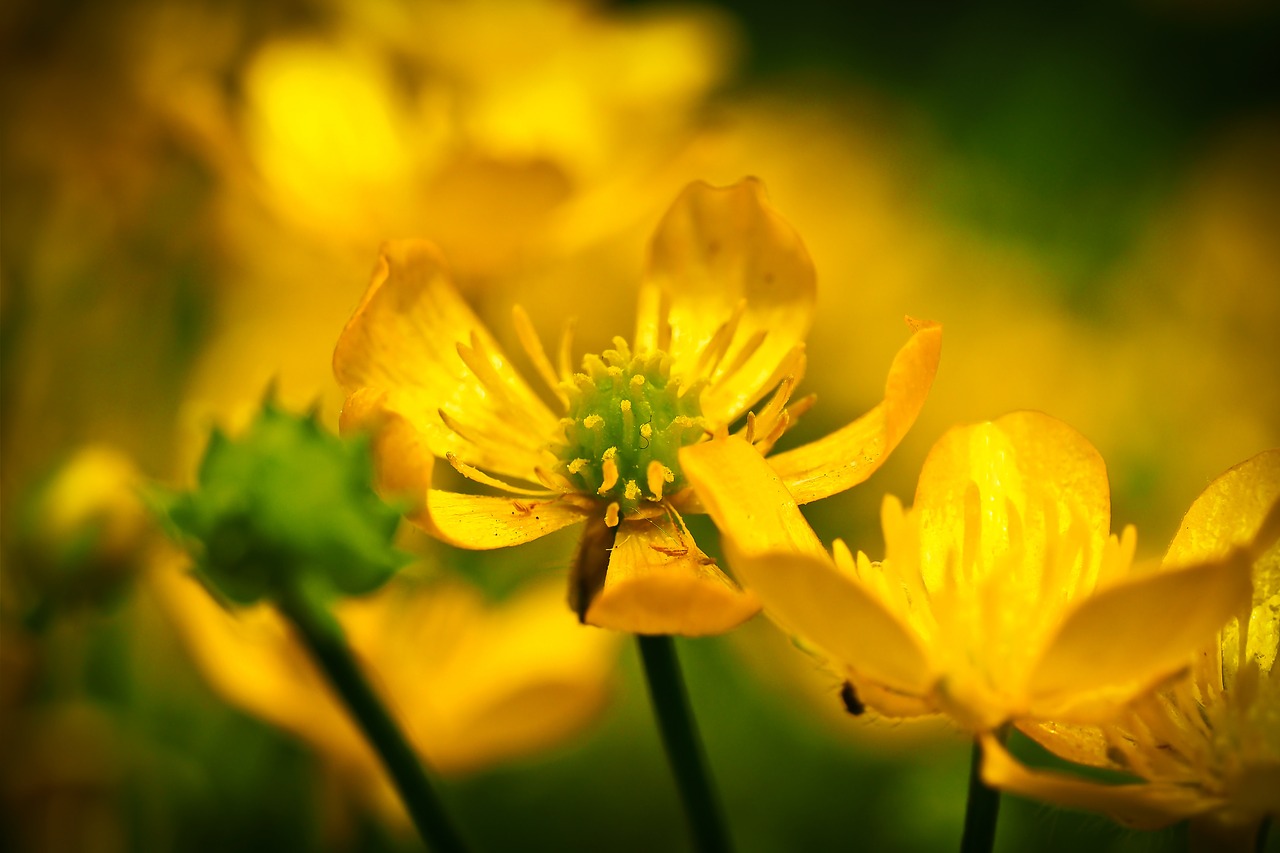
85 530
1208 745
723 310
1001 598
399 118
472 684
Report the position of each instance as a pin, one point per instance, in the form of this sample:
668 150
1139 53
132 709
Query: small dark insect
852 703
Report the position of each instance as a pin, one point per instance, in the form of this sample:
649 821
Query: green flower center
626 421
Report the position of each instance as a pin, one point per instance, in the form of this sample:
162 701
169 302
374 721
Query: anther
611 514
593 422
658 476
609 466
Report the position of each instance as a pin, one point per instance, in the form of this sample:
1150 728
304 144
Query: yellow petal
471 684
659 582
403 464
745 497
252 659
809 597
1123 640
476 683
1016 487
415 337
776 554
719 250
1143 806
854 452
1230 513
1079 744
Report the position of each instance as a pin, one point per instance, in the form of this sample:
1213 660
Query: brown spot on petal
591 564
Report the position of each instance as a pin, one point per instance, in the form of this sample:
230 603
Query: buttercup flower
473 684
1208 745
723 310
1002 597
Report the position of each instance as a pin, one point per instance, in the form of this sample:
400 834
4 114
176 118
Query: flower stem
324 638
684 749
983 807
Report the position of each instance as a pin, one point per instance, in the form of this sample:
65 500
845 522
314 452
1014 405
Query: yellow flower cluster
1003 597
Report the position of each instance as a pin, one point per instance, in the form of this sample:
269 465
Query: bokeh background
191 199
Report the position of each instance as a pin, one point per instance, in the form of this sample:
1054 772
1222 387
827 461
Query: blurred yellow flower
723 310
1208 745
511 132
85 530
428 117
472 683
1001 598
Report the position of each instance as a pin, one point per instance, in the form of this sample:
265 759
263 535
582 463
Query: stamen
742 356
627 411
658 476
716 348
533 348
628 422
565 356
478 437
609 465
776 433
553 481
801 407
478 362
777 403
475 474
611 514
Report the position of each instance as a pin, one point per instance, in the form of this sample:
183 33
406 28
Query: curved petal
403 464
775 553
1232 512
1025 483
718 252
811 598
659 582
414 336
854 452
1229 513
254 661
475 683
745 497
1125 639
1141 806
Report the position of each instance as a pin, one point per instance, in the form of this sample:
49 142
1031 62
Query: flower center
626 421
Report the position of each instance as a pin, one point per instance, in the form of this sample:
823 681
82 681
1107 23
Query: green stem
684 749
324 637
983 807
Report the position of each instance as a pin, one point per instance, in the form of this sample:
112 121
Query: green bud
287 507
